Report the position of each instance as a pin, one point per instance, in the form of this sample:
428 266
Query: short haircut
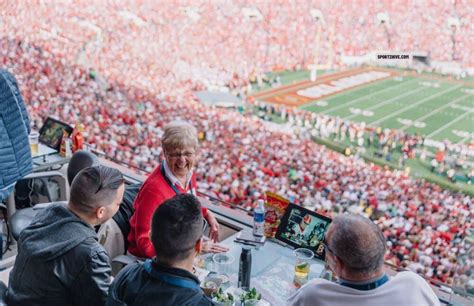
95 187
358 243
179 134
176 227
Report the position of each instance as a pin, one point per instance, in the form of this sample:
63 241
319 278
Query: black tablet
303 228
51 132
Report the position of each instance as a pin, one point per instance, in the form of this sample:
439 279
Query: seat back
22 218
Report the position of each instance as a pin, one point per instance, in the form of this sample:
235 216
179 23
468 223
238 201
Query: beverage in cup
302 265
33 138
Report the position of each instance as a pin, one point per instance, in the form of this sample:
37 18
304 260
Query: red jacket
153 193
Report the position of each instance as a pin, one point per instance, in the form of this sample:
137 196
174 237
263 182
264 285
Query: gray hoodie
59 262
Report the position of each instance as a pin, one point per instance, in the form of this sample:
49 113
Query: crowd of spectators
124 70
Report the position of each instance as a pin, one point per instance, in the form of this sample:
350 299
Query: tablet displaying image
302 228
51 132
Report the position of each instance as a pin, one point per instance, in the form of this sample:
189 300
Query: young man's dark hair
60 261
171 240
176 231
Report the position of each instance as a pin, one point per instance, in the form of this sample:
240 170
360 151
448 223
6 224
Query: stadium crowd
81 64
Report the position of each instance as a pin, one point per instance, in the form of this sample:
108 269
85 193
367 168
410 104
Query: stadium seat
23 217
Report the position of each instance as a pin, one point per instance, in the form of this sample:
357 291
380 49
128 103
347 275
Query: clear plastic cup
222 263
33 138
302 264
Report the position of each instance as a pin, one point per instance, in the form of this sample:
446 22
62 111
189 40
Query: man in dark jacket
176 232
60 261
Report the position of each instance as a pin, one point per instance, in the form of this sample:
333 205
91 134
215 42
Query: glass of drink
223 263
302 264
33 138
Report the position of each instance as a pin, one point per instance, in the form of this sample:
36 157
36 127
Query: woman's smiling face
181 161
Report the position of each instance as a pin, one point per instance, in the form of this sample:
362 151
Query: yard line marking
365 96
436 110
449 124
416 104
348 91
278 91
413 91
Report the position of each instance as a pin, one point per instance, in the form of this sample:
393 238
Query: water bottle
245 269
259 219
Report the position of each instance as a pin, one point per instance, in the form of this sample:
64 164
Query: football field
436 108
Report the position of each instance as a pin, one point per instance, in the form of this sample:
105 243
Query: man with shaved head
355 249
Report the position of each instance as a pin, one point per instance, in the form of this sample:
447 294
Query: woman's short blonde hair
179 134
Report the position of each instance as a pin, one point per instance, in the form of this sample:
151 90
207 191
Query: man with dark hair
60 261
176 232
355 249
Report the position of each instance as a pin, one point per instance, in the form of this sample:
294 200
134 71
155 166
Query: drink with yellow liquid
33 138
34 148
302 265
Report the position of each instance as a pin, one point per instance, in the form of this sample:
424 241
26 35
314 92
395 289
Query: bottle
259 219
77 138
245 269
63 146
68 148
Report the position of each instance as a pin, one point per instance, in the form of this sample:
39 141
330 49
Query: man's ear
149 234
100 212
339 265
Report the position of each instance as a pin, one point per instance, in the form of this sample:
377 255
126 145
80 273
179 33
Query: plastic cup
222 263
33 138
302 265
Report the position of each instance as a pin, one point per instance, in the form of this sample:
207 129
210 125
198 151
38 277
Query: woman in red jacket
173 176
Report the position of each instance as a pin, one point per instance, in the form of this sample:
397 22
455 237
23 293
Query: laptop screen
51 132
302 228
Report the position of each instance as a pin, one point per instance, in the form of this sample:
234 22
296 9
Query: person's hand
213 226
211 247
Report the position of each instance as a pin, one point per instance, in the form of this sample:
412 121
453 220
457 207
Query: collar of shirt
173 179
365 285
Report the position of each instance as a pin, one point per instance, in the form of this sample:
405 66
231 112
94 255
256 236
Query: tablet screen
51 132
302 228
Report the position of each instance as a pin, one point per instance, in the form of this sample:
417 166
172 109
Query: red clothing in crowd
153 193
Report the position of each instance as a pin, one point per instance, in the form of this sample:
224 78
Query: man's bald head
357 242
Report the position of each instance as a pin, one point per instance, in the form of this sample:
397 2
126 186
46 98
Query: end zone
304 92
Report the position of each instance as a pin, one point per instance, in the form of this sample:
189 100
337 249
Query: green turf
446 112
438 113
286 77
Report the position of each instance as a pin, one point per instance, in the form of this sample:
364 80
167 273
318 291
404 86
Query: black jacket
59 262
152 284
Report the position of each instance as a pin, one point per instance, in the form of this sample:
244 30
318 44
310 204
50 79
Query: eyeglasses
327 248
204 225
185 154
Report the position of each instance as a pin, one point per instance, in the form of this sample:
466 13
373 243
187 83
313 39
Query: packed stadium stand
126 69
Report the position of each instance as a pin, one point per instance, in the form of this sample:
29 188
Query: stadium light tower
452 23
318 18
384 20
